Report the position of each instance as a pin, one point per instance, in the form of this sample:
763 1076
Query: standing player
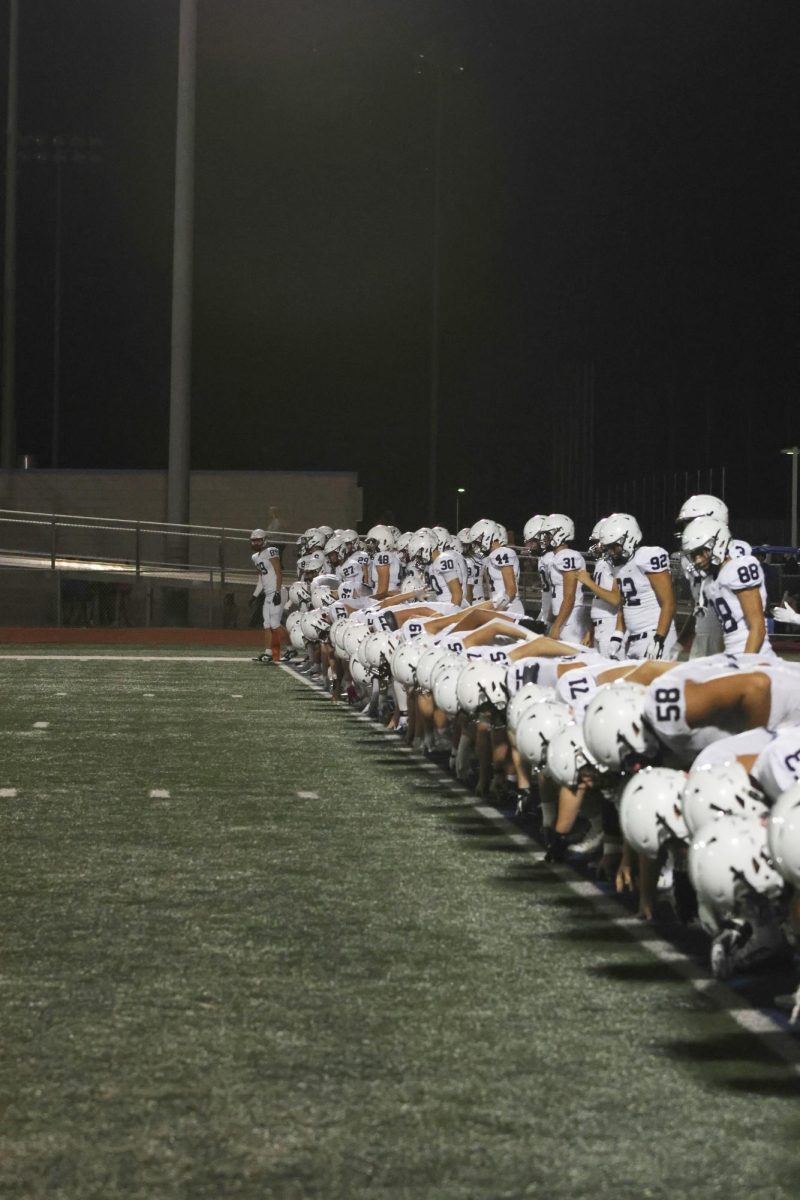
385 564
500 563
570 617
599 583
267 562
734 585
648 599
536 547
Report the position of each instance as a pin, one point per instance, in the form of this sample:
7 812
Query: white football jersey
665 709
640 605
577 686
475 577
543 567
777 767
734 576
707 633
665 706
264 563
442 570
390 559
562 561
351 577
494 563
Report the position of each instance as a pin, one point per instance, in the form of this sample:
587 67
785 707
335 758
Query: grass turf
236 991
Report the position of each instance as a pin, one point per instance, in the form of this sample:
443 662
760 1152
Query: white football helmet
379 539
299 594
336 636
294 627
426 663
441 534
335 550
702 506
314 626
302 541
379 648
521 701
321 591
537 727
568 756
258 539
445 684
447 658
482 534
401 543
533 528
482 691
720 789
349 538
621 531
313 563
614 727
706 533
596 538
783 835
729 864
558 528
405 659
352 636
359 673
422 546
650 811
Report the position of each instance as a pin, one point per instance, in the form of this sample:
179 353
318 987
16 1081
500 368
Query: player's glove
501 603
276 599
655 648
615 644
784 612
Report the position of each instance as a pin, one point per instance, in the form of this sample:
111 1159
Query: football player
267 563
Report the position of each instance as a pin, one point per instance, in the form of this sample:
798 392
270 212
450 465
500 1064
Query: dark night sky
620 189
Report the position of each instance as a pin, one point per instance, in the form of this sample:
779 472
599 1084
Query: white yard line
753 1020
158 794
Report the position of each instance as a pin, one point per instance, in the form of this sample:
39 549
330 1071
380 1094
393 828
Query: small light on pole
459 494
795 452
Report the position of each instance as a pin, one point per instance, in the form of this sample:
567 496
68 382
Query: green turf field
234 990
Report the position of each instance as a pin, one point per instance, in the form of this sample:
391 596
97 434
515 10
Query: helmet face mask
531 534
423 547
258 540
705 543
378 540
557 530
484 534
621 537
595 548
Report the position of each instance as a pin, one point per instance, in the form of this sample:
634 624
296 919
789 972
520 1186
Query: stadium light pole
795 453
459 494
178 477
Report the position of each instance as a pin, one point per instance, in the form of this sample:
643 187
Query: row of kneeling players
673 774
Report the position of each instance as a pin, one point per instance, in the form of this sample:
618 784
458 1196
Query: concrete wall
234 499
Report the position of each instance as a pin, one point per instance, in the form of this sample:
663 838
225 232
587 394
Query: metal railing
143 549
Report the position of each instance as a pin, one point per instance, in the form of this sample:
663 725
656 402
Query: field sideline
250 949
